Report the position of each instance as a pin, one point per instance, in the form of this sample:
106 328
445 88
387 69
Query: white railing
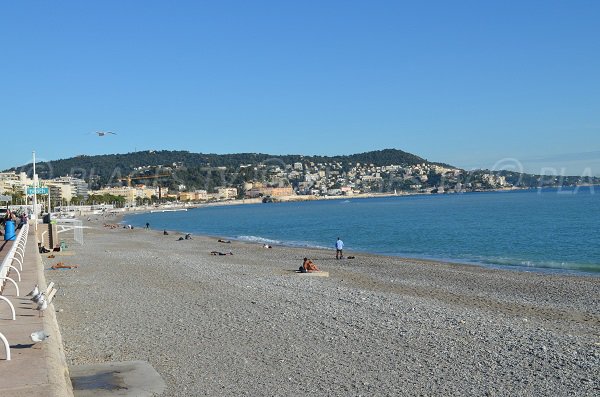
16 253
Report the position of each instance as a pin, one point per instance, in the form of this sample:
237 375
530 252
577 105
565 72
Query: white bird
37 298
39 336
104 133
42 305
34 291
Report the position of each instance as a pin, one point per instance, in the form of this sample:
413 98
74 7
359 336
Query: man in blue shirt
339 245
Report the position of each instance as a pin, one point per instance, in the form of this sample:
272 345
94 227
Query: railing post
12 281
6 346
12 308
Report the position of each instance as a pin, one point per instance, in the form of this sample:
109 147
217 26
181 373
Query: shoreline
247 324
508 267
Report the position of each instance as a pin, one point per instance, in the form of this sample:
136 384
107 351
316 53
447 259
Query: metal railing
16 253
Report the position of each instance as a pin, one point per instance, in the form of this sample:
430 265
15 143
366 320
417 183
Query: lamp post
34 215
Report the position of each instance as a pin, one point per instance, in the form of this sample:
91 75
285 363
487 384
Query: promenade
34 369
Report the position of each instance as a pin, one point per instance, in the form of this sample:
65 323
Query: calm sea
551 230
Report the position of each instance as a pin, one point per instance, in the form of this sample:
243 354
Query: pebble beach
247 324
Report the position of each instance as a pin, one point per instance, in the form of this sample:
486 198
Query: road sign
37 190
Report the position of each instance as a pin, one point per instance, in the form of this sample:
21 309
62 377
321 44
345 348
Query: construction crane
130 178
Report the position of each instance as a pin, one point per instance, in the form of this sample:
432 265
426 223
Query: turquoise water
549 229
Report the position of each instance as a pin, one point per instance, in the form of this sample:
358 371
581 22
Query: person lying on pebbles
61 265
221 253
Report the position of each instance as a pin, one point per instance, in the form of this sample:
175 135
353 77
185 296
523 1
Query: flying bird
39 336
104 133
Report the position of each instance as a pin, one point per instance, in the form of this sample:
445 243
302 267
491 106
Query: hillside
104 169
185 171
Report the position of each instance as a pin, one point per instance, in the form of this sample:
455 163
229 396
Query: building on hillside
346 190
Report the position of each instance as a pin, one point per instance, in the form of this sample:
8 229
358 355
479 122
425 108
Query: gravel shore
247 324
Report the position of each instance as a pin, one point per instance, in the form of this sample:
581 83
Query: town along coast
247 324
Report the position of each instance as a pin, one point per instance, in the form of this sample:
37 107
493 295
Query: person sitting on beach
308 266
165 233
188 236
224 241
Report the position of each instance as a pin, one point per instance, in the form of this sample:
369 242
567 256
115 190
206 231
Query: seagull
34 292
42 305
39 336
103 133
39 297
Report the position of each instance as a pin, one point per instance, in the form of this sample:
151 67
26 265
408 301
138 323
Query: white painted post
6 347
12 308
12 281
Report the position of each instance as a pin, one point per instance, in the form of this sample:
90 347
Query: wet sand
246 324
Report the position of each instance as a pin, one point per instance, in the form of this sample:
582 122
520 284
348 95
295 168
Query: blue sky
470 83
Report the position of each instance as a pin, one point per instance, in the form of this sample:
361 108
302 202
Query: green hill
106 169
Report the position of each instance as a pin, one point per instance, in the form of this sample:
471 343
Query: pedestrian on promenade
339 246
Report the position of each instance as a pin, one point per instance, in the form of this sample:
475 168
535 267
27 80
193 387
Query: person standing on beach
147 225
339 246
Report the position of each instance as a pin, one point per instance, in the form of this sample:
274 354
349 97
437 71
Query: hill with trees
385 170
101 170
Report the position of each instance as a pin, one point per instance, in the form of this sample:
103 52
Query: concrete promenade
35 369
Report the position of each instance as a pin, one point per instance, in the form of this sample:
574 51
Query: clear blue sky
464 82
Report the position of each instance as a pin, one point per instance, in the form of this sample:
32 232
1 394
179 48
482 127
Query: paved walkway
34 370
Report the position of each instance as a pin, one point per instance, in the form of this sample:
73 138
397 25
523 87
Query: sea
545 230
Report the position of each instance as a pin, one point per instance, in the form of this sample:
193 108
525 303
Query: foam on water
257 239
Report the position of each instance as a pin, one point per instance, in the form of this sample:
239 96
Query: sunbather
221 253
308 267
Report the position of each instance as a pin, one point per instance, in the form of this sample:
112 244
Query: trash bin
9 231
